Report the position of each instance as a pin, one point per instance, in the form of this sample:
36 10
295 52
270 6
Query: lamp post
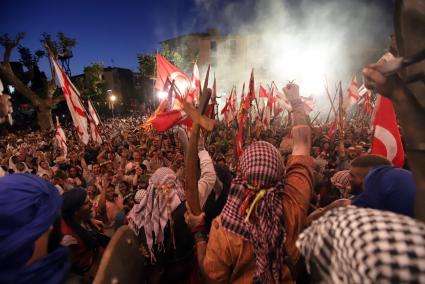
112 99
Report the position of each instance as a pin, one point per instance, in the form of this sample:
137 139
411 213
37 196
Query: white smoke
310 42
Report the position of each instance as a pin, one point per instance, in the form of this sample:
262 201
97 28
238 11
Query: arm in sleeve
208 177
299 183
217 264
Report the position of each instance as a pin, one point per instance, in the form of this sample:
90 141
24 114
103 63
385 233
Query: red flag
167 71
386 139
251 93
362 90
241 122
331 132
367 107
228 110
171 79
281 99
196 82
263 92
72 97
352 94
60 137
165 120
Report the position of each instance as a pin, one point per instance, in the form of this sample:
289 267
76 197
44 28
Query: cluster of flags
180 89
386 140
80 117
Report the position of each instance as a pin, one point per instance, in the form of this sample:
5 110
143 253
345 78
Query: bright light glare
161 95
112 98
11 89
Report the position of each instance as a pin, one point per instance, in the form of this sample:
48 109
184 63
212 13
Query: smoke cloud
310 42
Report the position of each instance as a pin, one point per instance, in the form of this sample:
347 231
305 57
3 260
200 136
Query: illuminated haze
305 41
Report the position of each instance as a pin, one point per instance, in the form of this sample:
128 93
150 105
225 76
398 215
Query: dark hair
370 161
73 200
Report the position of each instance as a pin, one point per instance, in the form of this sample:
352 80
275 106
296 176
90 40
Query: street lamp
112 99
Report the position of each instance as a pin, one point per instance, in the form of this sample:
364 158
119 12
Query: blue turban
388 188
28 207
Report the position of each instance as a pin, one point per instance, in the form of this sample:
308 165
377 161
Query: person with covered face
158 220
253 239
30 250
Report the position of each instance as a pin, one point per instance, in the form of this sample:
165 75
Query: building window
213 45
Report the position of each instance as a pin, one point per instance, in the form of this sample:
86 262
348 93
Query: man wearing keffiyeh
253 239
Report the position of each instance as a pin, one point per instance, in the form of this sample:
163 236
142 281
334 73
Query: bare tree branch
9 44
7 72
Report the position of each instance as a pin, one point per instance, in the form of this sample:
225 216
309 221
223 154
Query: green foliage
146 64
91 84
181 57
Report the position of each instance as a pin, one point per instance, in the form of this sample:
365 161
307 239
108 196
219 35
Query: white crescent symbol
388 139
180 80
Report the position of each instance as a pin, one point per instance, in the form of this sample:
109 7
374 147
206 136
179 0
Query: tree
146 64
181 57
92 85
33 85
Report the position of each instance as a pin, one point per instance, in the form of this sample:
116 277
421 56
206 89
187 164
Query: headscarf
261 169
73 200
341 180
28 207
360 245
388 188
155 208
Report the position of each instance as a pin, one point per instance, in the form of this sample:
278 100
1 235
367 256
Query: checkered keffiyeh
261 166
152 211
359 245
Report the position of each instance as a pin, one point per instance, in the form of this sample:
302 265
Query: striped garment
156 206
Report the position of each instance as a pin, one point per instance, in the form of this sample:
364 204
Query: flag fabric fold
386 140
72 97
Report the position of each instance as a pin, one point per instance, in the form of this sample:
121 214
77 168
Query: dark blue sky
112 32
105 30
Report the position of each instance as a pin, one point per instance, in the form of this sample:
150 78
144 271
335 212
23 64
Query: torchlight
112 98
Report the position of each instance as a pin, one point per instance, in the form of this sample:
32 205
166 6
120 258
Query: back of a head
370 161
261 164
389 188
28 207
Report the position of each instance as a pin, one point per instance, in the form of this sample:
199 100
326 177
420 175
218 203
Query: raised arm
301 132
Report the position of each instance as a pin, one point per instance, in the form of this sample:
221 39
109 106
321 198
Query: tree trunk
44 117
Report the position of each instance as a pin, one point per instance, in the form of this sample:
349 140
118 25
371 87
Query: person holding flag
253 239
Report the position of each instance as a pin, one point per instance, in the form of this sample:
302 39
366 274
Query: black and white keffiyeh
359 245
155 207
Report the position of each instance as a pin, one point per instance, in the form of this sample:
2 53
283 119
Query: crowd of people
297 205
